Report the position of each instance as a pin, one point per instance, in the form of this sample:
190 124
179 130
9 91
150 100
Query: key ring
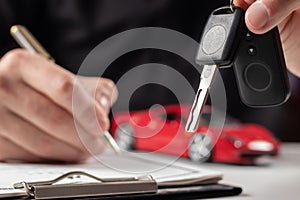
231 5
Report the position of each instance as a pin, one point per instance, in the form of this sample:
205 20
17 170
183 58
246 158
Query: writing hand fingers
34 106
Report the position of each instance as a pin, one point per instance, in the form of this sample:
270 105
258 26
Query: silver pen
27 41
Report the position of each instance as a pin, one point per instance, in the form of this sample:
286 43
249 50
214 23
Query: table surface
279 179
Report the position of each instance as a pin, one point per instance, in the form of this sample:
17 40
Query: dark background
70 29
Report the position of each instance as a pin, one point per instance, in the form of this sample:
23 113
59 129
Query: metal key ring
231 5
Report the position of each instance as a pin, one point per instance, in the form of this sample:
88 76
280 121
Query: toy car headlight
260 146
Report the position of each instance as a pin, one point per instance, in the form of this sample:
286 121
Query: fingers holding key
263 15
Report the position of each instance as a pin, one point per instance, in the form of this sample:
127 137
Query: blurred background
70 29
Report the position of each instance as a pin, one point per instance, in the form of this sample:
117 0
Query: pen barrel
27 41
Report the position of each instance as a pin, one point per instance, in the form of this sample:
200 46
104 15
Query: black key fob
221 37
260 69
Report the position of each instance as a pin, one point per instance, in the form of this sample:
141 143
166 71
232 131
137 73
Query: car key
218 44
258 62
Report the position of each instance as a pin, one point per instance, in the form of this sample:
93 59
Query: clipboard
101 187
159 178
132 188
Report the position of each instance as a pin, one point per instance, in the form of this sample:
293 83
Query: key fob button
249 36
252 50
258 77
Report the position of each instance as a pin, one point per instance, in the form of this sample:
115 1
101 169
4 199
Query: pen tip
112 143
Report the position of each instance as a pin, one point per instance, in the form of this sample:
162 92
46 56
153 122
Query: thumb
263 15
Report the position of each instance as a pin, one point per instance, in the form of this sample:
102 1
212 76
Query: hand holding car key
258 62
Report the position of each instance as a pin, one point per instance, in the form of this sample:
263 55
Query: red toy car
163 131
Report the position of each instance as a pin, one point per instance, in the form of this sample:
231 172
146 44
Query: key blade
195 113
207 78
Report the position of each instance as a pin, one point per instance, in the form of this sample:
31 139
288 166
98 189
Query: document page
166 170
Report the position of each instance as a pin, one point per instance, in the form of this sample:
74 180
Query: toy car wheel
200 148
125 136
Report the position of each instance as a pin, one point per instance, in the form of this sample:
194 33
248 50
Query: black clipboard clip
102 187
